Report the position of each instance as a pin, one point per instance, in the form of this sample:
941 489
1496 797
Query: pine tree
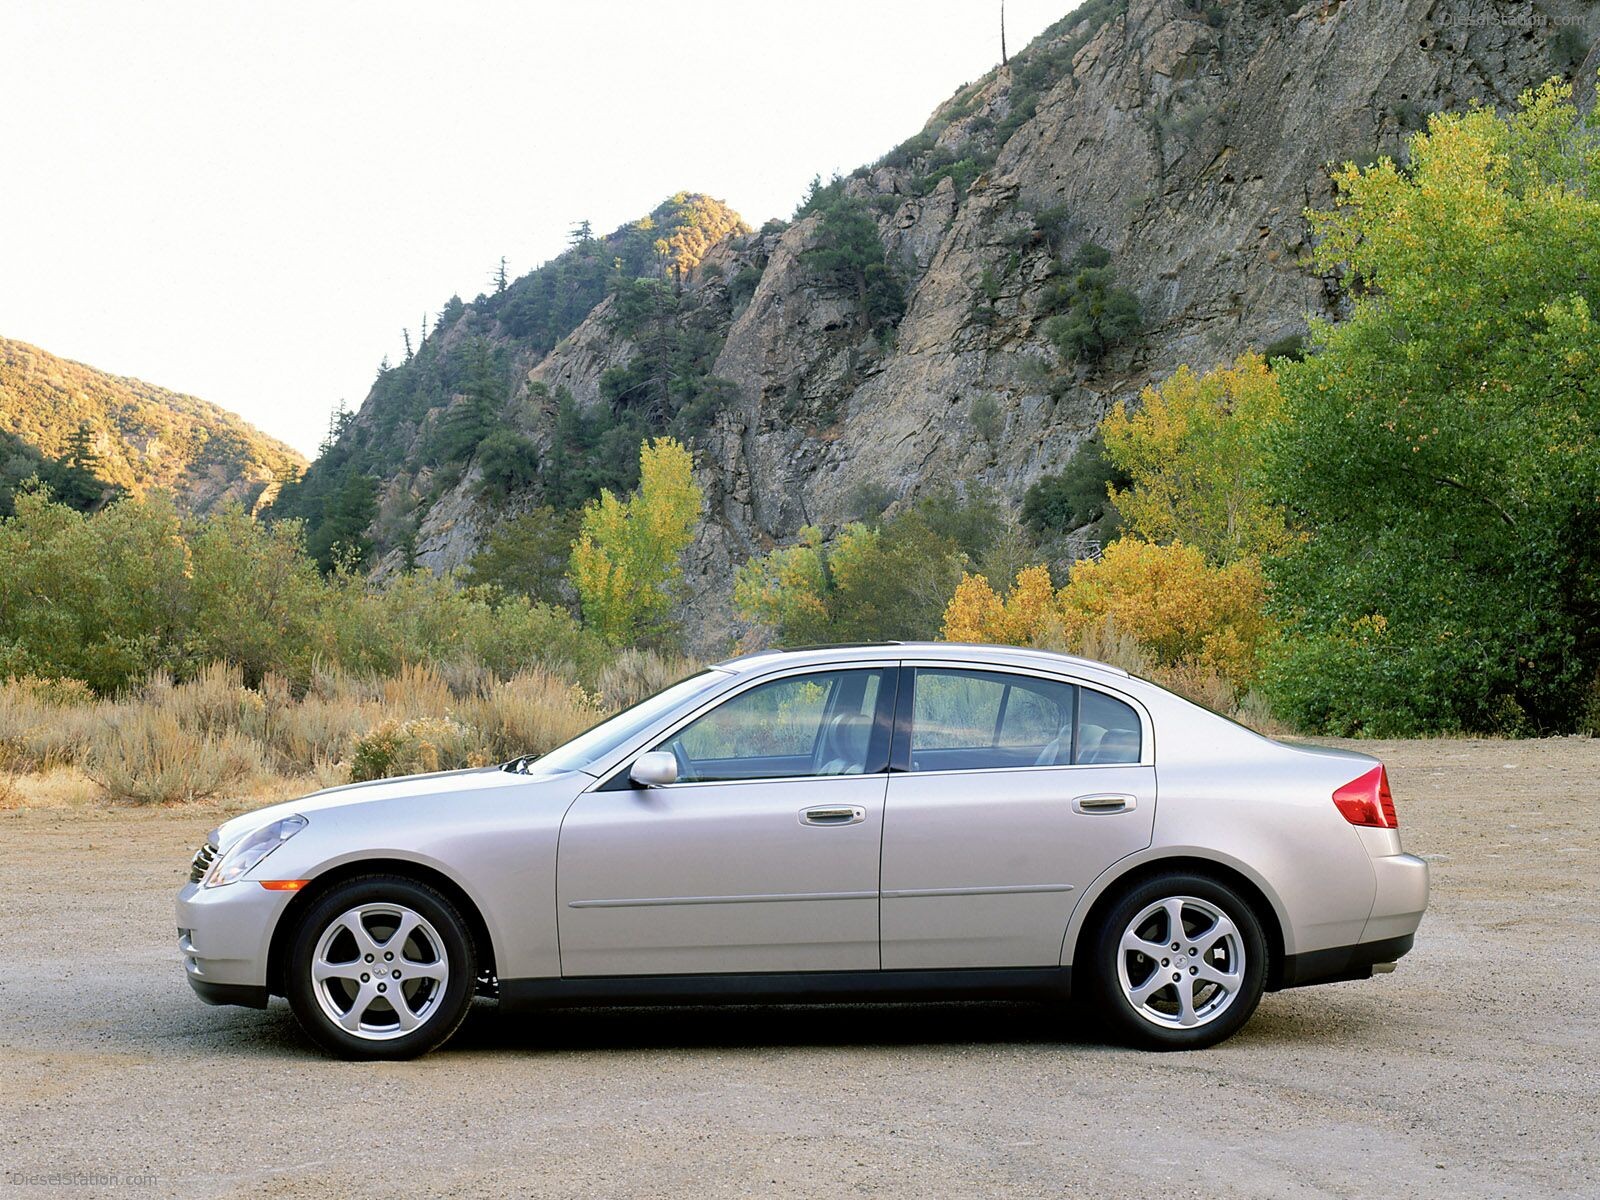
80 449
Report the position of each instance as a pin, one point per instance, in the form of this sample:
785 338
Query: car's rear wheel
381 967
1180 962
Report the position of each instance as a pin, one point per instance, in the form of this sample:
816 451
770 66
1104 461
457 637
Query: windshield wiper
519 765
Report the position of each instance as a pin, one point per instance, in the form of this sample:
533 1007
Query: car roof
973 654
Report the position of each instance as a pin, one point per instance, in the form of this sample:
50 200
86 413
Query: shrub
531 713
635 675
987 419
1094 314
144 755
1077 497
415 747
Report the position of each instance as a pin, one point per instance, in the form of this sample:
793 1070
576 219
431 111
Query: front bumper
224 935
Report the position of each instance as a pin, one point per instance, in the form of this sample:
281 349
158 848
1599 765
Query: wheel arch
289 920
1112 887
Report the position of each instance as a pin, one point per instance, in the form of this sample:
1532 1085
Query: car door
1010 793
762 857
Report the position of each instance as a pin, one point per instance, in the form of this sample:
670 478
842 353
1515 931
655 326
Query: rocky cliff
1186 139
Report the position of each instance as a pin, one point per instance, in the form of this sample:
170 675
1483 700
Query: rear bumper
1339 963
1398 903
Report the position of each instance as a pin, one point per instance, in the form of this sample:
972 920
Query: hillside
1125 196
141 436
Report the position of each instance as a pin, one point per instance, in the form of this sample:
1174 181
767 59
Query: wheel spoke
1157 981
351 921
402 1009
1174 910
402 933
1227 980
436 971
1185 989
1131 941
322 971
351 1020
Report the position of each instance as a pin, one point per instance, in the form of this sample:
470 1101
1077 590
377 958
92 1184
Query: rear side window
964 720
1108 729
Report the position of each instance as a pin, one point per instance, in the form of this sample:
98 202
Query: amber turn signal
284 885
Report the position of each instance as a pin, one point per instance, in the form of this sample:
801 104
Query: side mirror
654 768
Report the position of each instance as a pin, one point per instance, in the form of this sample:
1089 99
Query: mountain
138 436
1124 196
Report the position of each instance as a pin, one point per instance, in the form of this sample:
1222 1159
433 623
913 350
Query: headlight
246 854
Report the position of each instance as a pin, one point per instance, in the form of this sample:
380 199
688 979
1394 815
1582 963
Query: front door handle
834 815
1105 802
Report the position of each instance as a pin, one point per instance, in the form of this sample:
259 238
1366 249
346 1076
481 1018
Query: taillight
1366 801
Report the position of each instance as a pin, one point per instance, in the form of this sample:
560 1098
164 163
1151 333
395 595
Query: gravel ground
1472 1071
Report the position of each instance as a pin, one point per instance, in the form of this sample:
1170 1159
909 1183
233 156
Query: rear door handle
836 815
1105 802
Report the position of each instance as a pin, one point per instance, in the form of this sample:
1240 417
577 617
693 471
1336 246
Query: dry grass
213 738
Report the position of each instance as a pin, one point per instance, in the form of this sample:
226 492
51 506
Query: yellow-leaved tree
625 563
1185 614
1193 450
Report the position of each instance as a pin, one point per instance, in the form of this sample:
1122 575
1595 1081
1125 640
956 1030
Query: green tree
528 556
877 583
1442 446
1077 497
102 598
1192 455
256 595
344 534
625 564
1093 313
509 463
849 255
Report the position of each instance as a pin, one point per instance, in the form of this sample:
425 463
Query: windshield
587 748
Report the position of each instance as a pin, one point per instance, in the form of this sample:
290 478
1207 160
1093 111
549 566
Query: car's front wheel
381 967
1180 962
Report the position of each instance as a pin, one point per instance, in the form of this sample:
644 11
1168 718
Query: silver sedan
894 821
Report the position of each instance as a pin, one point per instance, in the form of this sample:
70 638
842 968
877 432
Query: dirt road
1472 1071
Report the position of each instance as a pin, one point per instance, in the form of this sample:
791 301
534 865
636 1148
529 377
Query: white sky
249 200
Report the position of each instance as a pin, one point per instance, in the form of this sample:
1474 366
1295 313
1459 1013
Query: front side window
965 720
816 724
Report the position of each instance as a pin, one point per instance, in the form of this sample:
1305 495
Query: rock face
1187 139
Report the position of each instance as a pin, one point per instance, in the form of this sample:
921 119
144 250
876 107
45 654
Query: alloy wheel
1181 962
379 971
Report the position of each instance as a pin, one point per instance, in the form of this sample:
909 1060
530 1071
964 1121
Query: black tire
443 1008
1130 1023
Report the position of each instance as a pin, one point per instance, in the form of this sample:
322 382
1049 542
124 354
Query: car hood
444 784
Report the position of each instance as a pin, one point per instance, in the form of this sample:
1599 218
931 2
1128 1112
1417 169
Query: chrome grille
203 858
